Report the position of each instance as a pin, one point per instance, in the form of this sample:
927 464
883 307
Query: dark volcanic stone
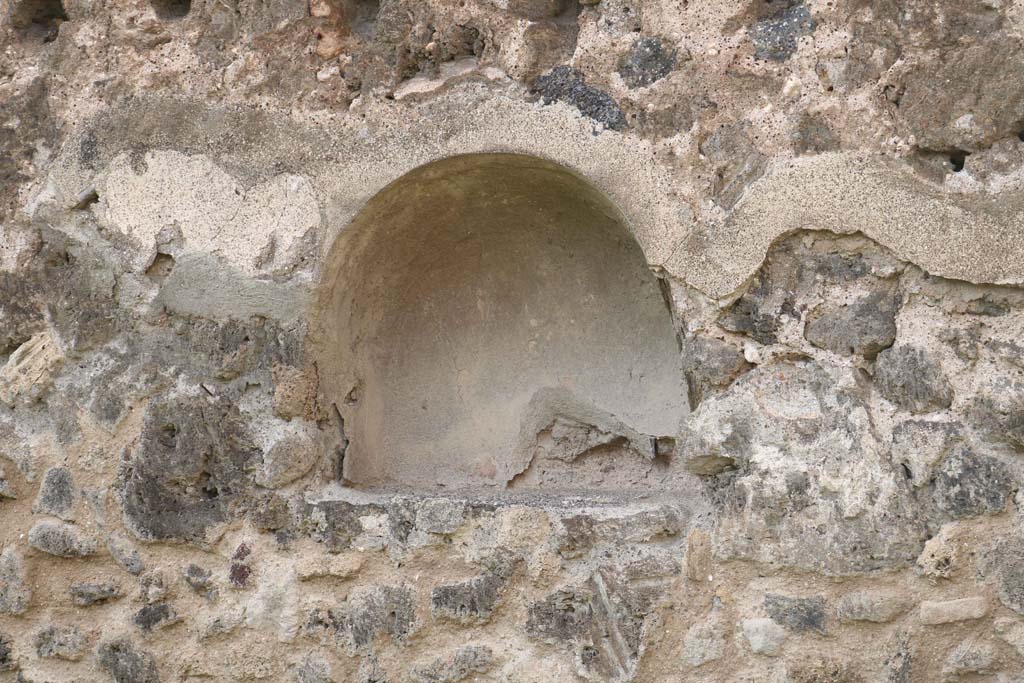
313 670
56 493
710 363
796 614
62 540
646 62
899 664
239 574
125 553
864 327
25 118
775 37
999 414
336 522
14 591
602 621
968 484
1011 578
85 594
561 616
192 470
271 513
372 612
964 97
199 580
565 84
63 643
126 664
1002 561
385 609
458 666
910 378
154 616
472 600
7 662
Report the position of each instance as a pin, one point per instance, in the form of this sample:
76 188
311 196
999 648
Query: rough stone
533 9
600 621
959 115
155 616
814 135
200 580
294 392
735 162
468 601
796 614
775 37
125 553
863 327
337 524
440 516
998 412
909 377
191 470
7 661
368 614
710 364
272 513
60 642
313 669
123 662
62 540
767 448
458 666
934 613
647 62
968 484
918 446
584 532
877 607
565 84
287 460
28 374
6 489
968 658
764 636
698 556
1003 561
899 664
1011 632
563 615
939 557
704 642
15 592
86 594
56 494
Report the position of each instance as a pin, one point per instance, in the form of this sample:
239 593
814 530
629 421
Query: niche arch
488 320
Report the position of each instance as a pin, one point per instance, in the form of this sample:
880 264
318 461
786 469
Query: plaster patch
253 229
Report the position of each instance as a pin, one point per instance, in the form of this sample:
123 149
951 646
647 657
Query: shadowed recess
489 318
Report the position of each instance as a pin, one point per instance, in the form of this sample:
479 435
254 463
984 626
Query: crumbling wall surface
827 195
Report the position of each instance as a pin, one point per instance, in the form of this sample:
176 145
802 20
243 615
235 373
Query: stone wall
827 199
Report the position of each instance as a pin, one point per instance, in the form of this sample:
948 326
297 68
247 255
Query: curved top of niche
488 320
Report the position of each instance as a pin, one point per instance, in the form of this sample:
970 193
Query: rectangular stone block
950 611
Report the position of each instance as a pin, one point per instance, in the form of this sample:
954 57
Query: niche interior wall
454 310
511 341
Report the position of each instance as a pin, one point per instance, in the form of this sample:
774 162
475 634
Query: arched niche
489 320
